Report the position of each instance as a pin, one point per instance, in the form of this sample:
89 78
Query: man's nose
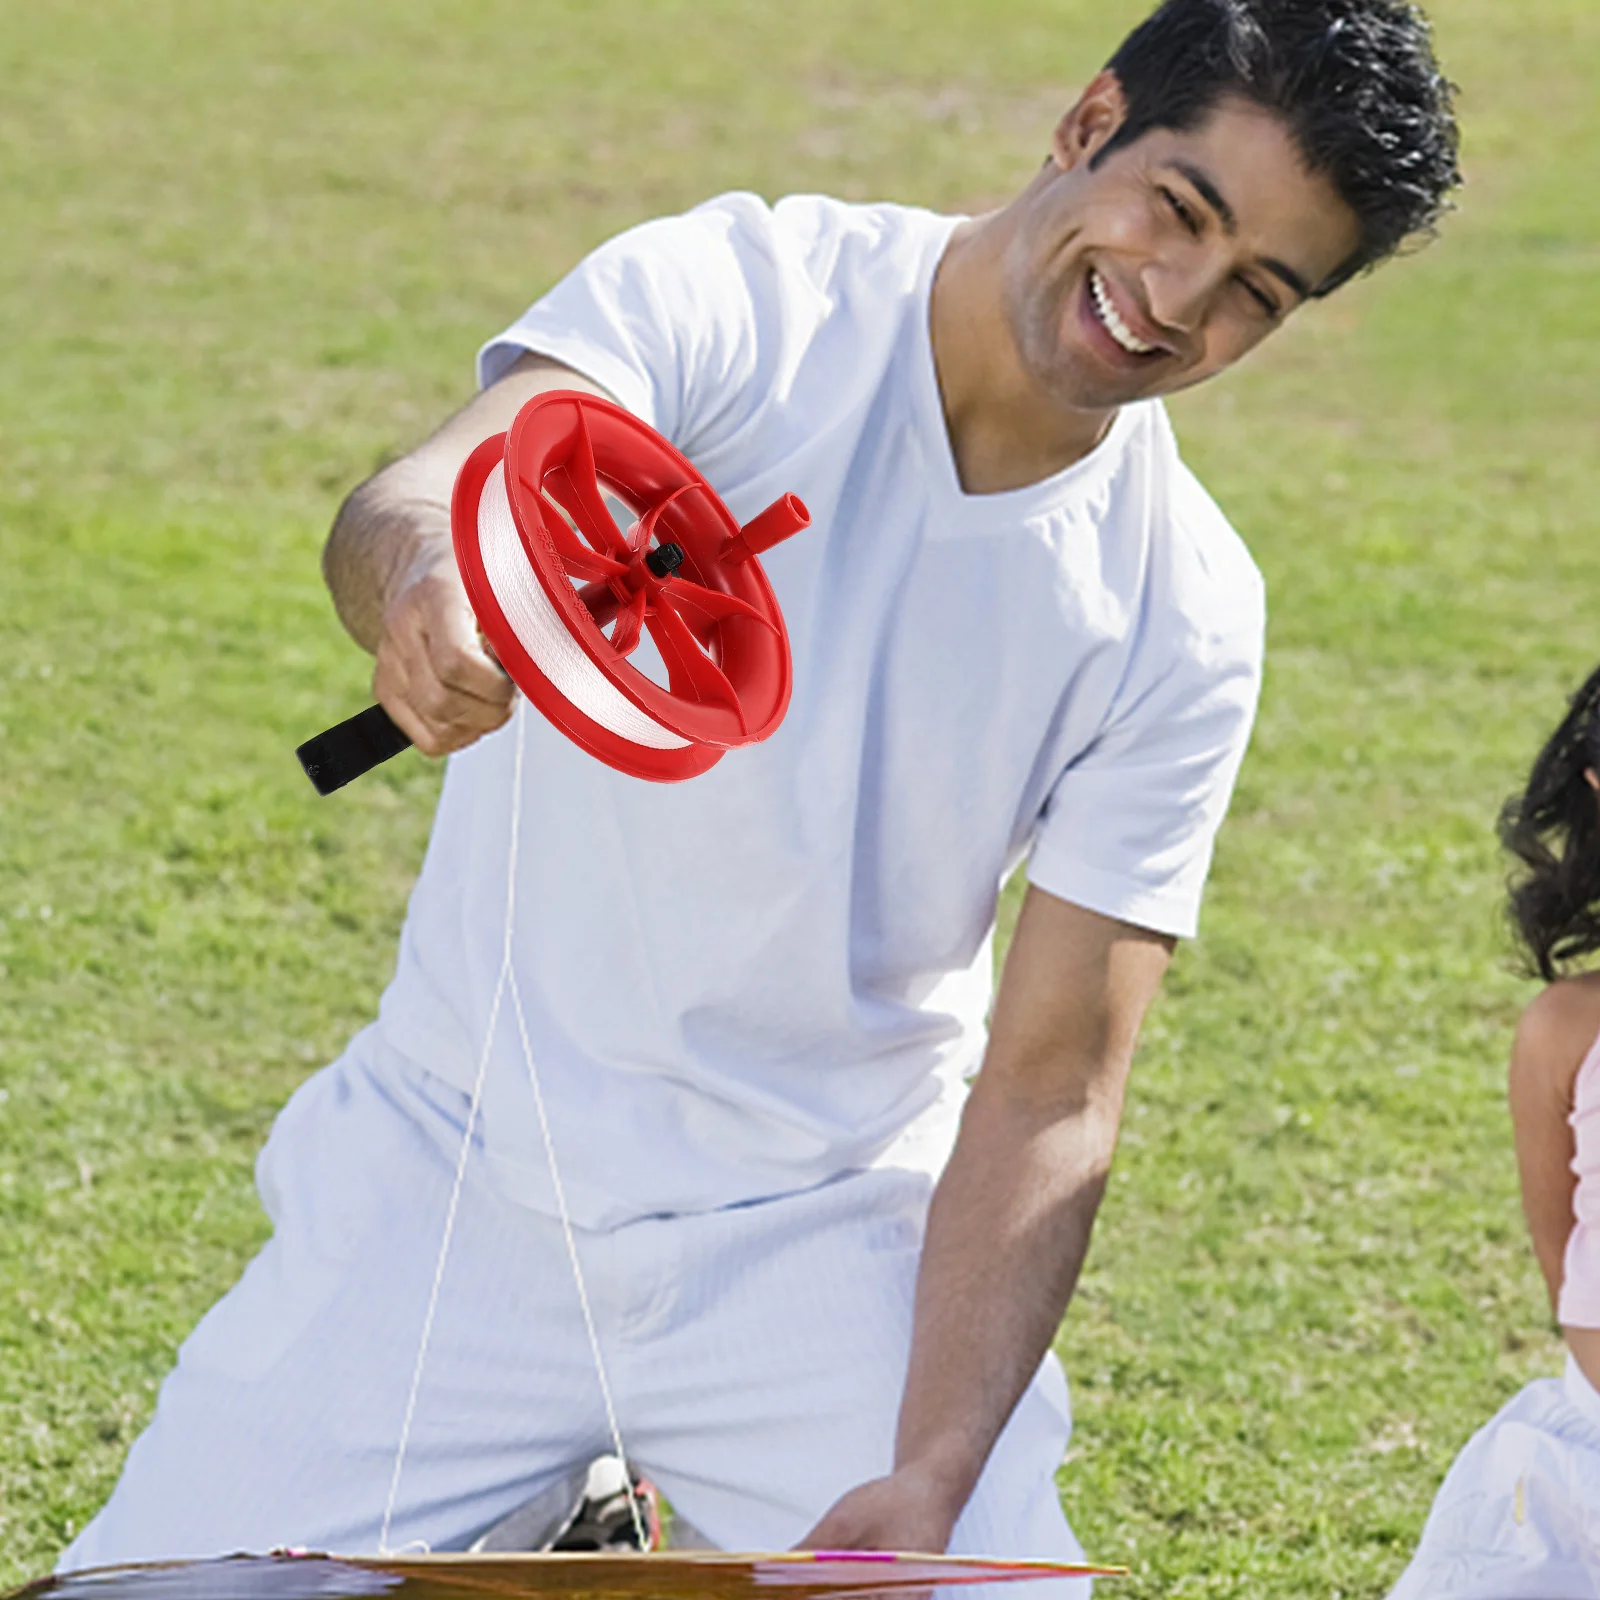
1180 292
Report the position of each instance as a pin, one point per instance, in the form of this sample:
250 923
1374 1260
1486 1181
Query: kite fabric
679 1575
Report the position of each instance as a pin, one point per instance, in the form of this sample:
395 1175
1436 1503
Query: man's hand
907 1510
390 566
433 675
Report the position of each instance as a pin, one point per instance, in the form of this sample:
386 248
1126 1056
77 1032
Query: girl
1518 1517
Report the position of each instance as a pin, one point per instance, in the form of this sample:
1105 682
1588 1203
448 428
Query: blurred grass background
249 252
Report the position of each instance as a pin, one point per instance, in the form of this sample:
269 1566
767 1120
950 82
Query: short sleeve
669 317
1129 825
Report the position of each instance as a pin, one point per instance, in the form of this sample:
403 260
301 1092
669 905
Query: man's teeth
1115 326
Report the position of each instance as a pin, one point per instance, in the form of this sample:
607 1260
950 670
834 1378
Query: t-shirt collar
1073 482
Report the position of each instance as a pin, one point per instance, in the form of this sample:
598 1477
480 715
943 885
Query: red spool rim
715 622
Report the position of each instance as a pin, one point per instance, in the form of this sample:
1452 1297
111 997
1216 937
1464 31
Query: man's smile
1109 318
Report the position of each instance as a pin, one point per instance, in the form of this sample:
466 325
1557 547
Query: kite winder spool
545 587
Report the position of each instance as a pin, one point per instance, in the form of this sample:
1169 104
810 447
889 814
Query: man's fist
907 1510
434 676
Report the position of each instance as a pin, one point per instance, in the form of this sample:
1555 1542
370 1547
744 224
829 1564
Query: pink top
1579 1305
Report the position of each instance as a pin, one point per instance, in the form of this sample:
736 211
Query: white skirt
1518 1515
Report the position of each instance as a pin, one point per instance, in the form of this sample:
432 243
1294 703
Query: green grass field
249 251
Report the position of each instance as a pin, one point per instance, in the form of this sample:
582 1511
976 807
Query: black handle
354 746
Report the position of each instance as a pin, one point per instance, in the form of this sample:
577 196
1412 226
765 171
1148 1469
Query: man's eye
1267 304
1181 209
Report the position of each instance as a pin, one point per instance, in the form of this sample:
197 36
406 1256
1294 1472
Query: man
824 1278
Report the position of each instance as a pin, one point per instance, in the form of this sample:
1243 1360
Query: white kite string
542 633
473 1107
577 1270
505 979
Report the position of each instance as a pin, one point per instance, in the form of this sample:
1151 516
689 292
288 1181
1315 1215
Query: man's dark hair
1355 80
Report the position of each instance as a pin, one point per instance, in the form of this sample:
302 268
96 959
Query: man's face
1170 259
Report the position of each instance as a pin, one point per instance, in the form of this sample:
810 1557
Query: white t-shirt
746 983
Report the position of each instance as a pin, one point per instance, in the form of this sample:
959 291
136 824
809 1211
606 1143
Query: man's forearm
392 573
1007 1234
393 527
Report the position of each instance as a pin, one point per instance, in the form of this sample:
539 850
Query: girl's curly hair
1553 829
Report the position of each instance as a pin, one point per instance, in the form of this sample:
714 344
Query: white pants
1518 1514
756 1354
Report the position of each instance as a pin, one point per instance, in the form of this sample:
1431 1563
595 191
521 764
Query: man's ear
1096 115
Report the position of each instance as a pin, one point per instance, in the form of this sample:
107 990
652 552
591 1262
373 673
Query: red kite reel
549 572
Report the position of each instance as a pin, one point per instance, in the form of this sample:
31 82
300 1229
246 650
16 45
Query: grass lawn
249 251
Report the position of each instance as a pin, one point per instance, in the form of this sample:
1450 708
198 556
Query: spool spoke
690 671
576 489
578 559
581 563
644 530
630 621
712 604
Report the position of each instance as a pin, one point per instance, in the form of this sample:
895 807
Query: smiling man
826 1275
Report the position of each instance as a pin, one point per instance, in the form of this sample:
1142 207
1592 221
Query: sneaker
604 1518
586 1510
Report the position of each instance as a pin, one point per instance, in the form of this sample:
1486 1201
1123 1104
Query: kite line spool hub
549 571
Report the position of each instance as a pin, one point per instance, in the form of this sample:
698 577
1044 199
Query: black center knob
665 559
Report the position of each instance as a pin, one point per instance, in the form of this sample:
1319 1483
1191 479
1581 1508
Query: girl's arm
1552 1039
